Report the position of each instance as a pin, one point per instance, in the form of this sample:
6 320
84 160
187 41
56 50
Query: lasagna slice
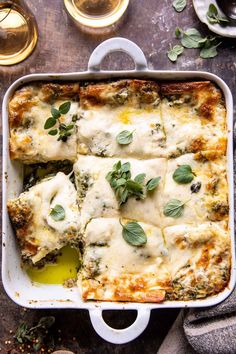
46 217
205 197
199 260
194 118
29 109
110 108
114 270
97 198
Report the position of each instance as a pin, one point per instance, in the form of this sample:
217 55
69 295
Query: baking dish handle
119 336
117 44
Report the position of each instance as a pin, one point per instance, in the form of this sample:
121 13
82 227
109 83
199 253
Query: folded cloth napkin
208 330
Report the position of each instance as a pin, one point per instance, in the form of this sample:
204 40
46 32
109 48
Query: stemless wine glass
18 31
96 13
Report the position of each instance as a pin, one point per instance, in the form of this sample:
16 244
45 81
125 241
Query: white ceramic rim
95 308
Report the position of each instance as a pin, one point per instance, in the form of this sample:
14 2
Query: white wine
96 13
18 32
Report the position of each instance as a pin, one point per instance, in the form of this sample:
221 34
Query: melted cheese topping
209 203
42 231
31 143
187 131
172 124
98 129
131 273
198 259
98 198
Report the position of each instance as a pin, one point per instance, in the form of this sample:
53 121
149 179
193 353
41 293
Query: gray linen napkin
209 330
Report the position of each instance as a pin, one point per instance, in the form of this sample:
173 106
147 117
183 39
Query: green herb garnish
214 17
179 5
58 213
174 208
125 137
192 38
174 52
124 186
38 336
63 130
153 183
134 234
183 174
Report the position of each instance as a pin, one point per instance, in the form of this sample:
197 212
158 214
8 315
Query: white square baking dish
16 283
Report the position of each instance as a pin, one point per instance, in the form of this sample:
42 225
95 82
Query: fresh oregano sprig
62 130
192 39
37 336
124 186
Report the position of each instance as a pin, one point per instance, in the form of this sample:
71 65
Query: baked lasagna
147 195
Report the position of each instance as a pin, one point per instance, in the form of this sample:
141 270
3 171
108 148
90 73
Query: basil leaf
179 5
174 52
124 138
134 234
153 183
174 208
140 178
64 107
55 113
53 132
210 52
183 174
58 213
50 122
191 38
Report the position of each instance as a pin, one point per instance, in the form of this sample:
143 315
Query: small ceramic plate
201 8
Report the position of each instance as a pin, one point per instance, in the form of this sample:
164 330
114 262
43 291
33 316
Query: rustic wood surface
62 47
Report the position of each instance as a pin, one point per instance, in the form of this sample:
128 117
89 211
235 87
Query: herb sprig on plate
62 130
214 17
125 187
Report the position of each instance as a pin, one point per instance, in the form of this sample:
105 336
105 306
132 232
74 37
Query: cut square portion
114 270
110 108
205 197
97 198
194 118
39 230
29 109
199 260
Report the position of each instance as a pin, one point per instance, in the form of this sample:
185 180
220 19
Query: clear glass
18 32
96 13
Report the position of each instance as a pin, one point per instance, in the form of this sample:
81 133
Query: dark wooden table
62 47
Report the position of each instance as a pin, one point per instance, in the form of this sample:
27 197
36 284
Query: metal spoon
228 7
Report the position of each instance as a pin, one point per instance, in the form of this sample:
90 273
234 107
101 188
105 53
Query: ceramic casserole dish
16 283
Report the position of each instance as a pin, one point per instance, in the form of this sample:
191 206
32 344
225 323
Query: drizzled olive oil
65 267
